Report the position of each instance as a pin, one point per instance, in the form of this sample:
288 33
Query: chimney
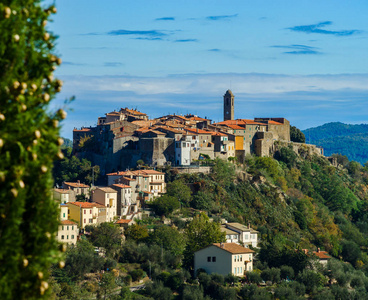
78 182
318 250
222 245
248 225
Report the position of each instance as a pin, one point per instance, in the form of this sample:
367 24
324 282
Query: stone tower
228 106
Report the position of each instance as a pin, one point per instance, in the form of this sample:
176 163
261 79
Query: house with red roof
86 213
224 259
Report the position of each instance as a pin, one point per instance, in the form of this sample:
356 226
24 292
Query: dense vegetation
29 143
296 201
339 138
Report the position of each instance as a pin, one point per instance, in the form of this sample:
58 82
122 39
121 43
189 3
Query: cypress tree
29 143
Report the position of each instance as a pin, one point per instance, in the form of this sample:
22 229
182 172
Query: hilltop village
123 137
260 214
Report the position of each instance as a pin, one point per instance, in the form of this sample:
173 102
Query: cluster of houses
123 137
120 201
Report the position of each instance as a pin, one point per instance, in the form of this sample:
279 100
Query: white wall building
224 259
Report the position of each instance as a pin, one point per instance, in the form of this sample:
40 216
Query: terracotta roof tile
68 222
233 248
76 184
123 186
123 221
87 204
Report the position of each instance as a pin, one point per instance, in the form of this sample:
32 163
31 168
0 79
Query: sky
303 60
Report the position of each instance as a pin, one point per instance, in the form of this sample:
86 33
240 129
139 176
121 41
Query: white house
247 235
224 258
67 232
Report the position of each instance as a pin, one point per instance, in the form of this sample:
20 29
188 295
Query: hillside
295 201
345 139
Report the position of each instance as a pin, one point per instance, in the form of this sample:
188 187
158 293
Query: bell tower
228 106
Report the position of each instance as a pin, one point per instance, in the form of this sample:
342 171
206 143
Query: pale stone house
247 235
77 187
231 235
107 197
63 195
86 213
224 259
124 199
67 232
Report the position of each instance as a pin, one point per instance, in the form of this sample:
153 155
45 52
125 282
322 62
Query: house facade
86 213
224 259
107 197
67 232
247 235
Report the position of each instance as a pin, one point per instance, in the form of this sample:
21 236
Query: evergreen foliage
29 143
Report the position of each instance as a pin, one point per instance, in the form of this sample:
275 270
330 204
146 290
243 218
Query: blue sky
303 60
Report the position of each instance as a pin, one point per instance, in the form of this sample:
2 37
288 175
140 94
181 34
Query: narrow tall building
228 106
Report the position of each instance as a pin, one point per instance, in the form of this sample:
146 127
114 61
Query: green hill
345 139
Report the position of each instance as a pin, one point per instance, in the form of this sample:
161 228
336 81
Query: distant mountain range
345 139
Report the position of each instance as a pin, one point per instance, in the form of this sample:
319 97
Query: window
72 227
84 211
62 237
72 237
63 215
90 211
213 258
90 220
241 270
84 221
235 270
67 237
208 258
235 258
107 195
67 227
241 257
62 227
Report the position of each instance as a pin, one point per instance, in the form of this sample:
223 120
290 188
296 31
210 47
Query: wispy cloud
165 19
214 50
186 41
295 97
221 17
113 64
69 63
149 38
317 28
150 33
298 49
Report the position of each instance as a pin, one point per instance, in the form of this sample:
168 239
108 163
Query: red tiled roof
322 254
76 184
87 204
123 186
83 129
232 248
68 222
123 221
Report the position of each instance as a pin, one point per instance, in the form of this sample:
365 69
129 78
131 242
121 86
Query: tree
223 172
80 259
296 135
136 232
106 285
165 205
200 233
180 191
29 142
171 239
108 236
